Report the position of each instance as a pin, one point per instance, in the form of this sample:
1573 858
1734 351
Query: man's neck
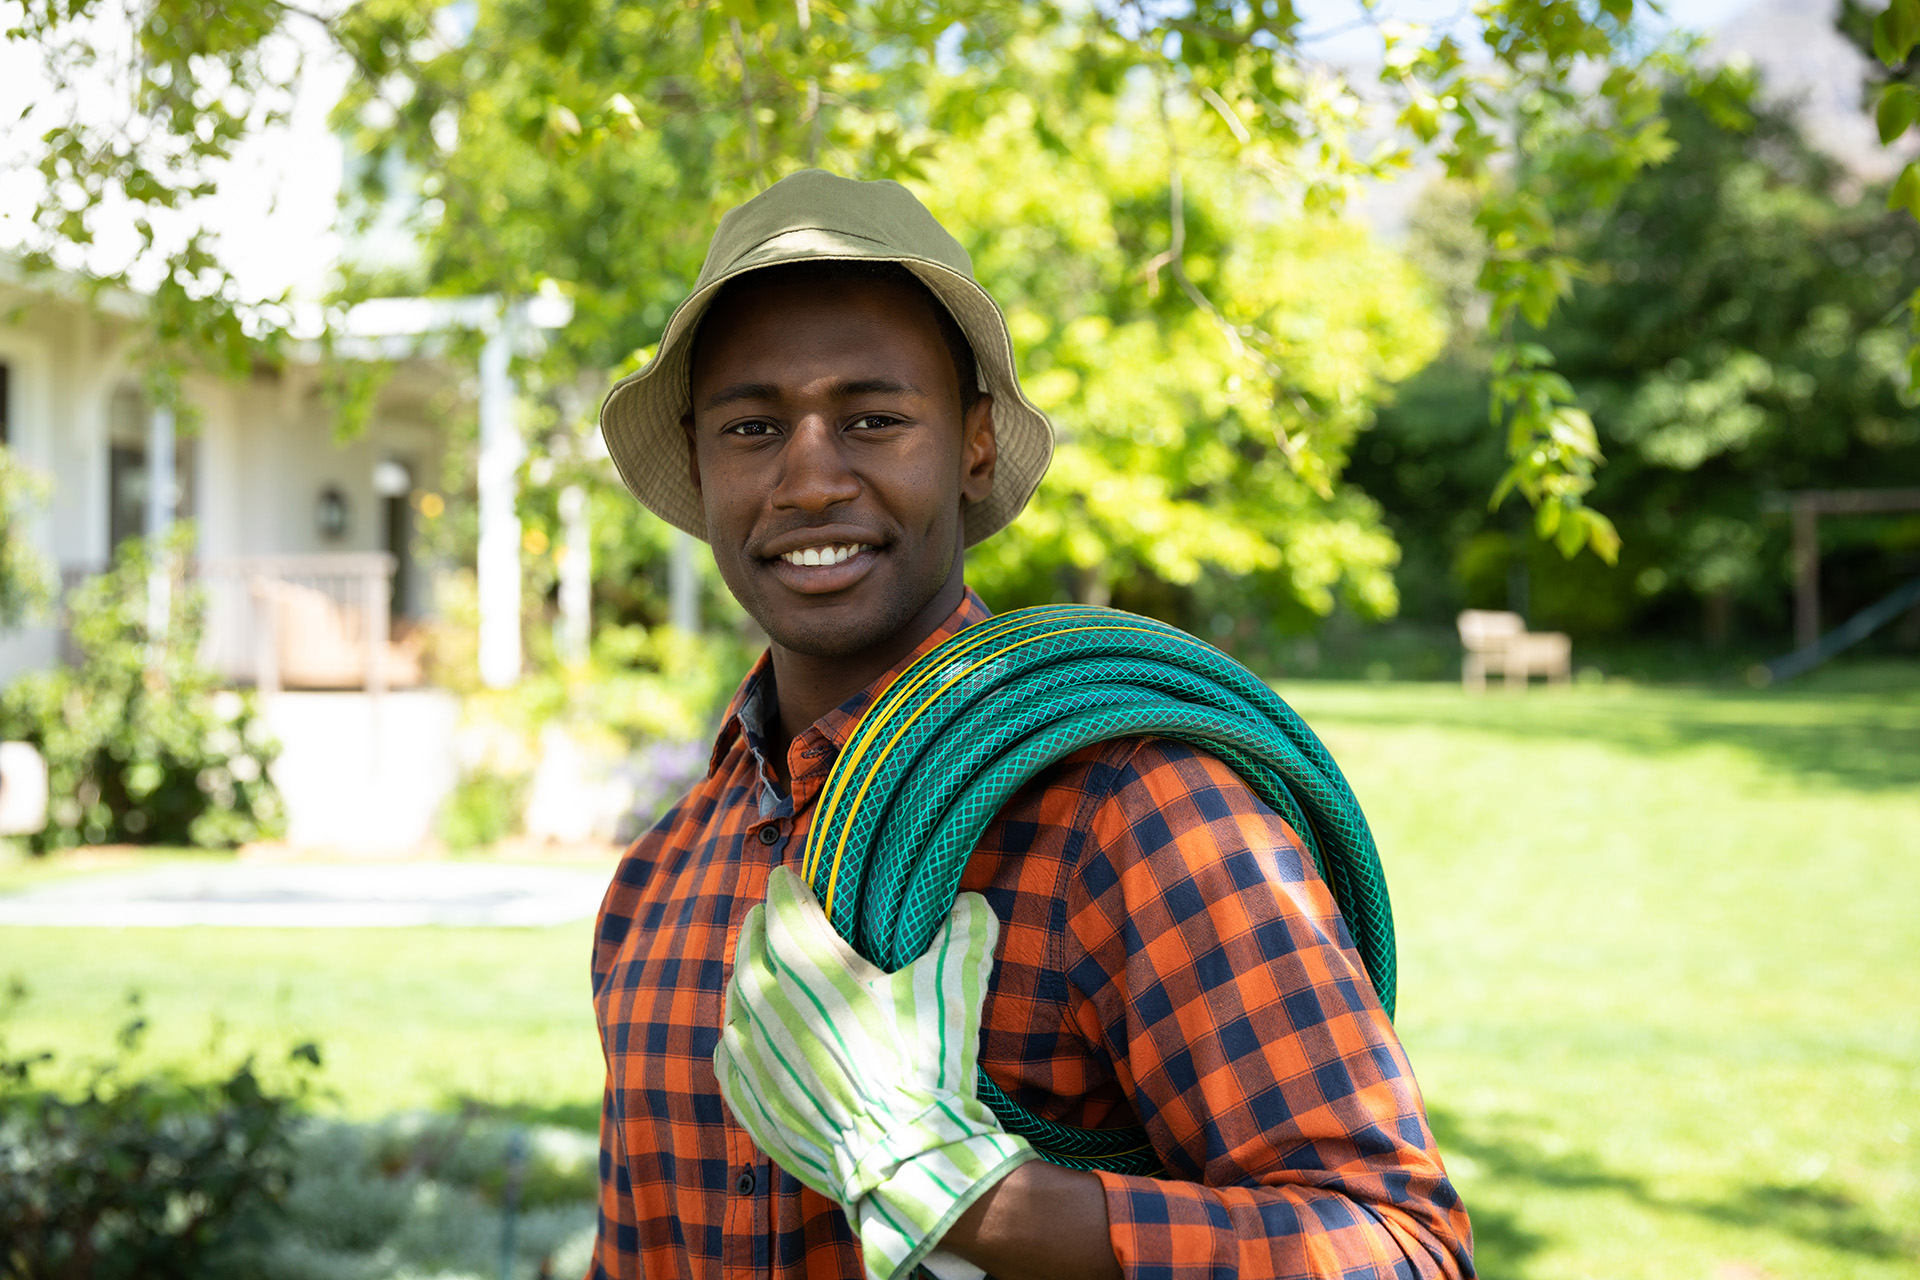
807 688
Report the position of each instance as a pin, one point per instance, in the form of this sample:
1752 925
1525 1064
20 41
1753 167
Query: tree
1736 335
592 143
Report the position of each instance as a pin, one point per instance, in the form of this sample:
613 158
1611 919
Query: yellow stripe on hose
833 877
875 719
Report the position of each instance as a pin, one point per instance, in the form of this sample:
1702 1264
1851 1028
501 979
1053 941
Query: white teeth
822 555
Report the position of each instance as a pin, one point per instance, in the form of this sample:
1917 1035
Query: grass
1660 967
1660 974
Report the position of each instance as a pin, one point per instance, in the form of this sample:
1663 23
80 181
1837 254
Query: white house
304 542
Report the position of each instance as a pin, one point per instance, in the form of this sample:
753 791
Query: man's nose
814 475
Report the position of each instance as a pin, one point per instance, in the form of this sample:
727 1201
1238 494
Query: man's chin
828 632
840 625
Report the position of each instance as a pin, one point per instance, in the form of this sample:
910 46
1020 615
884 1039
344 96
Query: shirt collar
815 749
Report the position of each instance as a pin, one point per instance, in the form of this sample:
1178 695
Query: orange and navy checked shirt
1167 953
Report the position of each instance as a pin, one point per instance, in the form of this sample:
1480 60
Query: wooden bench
1499 641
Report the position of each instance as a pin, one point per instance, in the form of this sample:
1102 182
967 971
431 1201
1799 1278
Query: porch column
159 522
499 553
575 633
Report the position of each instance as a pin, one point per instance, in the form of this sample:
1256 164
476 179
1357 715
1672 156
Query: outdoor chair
1498 641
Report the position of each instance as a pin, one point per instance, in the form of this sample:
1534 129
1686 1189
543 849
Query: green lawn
1660 974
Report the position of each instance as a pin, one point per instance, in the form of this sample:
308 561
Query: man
835 410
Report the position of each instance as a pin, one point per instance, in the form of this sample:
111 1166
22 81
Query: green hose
967 725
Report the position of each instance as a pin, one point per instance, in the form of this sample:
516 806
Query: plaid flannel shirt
1167 953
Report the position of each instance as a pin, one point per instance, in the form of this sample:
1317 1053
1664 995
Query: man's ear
979 451
693 454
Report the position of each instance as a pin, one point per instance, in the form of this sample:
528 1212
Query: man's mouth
834 554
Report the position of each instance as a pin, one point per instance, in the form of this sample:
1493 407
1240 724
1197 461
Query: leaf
1573 533
1899 104
1896 31
1601 535
1906 190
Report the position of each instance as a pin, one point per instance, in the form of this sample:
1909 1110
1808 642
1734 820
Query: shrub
140 1176
144 1175
142 746
25 581
484 809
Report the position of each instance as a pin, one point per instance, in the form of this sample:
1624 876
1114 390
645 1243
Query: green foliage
483 810
1735 335
1223 464
133 1168
421 1194
141 744
592 144
140 1175
26 582
1890 36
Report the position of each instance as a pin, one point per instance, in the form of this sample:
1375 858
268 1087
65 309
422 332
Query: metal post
499 556
1806 574
576 577
160 500
510 1199
683 585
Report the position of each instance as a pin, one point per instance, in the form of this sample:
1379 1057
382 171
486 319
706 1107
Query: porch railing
314 621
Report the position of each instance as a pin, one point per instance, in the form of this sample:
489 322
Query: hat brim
640 420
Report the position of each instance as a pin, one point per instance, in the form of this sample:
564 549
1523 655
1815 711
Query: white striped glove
860 1083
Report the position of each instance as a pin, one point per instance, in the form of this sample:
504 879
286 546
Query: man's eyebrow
738 391
742 391
877 386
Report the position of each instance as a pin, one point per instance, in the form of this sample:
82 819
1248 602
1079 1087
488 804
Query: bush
484 809
143 1175
142 746
147 1177
25 580
428 1195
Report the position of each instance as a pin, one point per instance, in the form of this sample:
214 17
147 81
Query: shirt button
744 1183
769 834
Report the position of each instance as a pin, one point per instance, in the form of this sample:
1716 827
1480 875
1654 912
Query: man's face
833 460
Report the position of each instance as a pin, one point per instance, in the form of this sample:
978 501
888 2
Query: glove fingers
824 974
768 1118
941 994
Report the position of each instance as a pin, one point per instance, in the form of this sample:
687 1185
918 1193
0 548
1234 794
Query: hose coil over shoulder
949 742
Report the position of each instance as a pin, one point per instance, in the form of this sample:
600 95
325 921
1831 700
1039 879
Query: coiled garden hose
962 729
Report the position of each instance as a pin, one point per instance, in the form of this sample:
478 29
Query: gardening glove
860 1082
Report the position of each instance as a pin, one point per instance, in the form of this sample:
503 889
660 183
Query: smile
825 555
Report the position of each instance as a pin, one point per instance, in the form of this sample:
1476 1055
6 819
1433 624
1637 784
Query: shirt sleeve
1206 957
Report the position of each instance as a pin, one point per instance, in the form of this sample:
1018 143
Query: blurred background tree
1184 162
1155 191
1739 332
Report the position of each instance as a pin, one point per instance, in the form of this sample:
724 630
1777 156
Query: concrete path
311 895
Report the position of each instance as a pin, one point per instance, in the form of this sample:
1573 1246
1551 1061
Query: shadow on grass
1856 740
1821 1216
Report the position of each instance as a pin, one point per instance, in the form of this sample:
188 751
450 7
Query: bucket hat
806 216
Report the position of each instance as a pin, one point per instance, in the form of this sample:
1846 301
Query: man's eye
875 421
750 428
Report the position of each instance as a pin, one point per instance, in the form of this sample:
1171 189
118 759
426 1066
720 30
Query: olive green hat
817 215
